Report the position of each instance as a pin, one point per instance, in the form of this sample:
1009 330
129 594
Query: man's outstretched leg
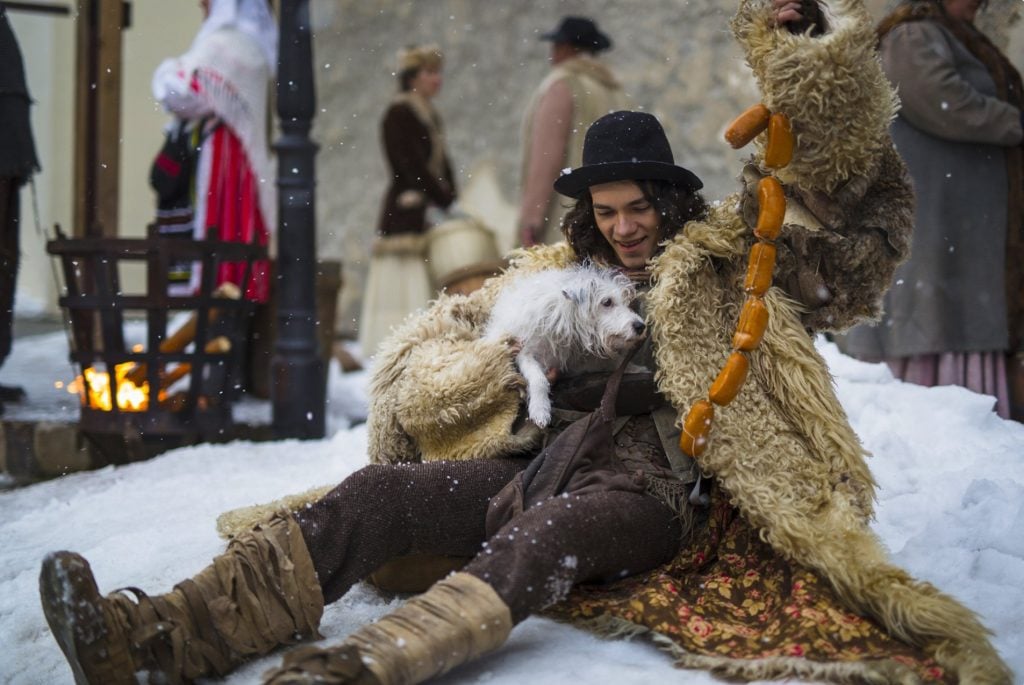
261 593
530 563
268 588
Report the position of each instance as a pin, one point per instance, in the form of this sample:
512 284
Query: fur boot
455 621
261 593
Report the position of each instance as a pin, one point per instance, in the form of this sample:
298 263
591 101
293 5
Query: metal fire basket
209 355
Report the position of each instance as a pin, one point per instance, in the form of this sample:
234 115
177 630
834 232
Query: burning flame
94 389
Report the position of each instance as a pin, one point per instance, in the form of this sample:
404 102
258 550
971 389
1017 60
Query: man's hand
799 16
788 11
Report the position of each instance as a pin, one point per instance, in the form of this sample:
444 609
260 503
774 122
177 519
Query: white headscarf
225 58
251 17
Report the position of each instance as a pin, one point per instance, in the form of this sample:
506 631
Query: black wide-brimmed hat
581 32
625 146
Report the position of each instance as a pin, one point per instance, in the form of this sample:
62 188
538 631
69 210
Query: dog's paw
540 411
516 383
514 344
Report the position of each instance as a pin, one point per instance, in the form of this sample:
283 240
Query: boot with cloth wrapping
261 593
455 621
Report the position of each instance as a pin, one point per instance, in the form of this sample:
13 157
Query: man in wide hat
578 89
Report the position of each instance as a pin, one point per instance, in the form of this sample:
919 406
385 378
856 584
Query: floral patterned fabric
729 596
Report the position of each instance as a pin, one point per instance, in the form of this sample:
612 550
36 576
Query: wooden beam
37 7
97 117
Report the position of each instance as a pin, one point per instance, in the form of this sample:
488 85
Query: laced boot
456 620
261 593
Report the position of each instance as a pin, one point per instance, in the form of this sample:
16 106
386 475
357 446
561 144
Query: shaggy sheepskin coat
783 450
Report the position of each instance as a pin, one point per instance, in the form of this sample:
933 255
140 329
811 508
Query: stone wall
679 62
676 57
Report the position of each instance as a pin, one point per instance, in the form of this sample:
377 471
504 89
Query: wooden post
298 383
97 117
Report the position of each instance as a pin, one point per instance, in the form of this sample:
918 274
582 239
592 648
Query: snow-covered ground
951 510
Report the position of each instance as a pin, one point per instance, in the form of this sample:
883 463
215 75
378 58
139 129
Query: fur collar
585 65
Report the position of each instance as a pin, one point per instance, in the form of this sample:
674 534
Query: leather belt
638 394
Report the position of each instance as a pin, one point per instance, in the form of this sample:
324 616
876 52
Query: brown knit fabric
536 559
386 511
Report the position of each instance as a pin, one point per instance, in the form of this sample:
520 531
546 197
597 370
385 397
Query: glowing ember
94 390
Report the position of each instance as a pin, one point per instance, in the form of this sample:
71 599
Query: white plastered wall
160 28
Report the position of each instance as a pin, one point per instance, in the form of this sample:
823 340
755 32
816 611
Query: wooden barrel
461 254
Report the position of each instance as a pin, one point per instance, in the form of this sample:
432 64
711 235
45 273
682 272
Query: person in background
17 163
576 91
223 181
955 312
421 177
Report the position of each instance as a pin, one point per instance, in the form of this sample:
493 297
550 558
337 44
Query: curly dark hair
674 205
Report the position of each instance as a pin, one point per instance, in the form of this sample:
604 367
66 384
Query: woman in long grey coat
953 312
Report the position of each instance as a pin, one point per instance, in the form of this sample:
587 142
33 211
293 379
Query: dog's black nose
639 327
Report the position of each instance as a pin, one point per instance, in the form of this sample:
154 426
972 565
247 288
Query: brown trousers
385 511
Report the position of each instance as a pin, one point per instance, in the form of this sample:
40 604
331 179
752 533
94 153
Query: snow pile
951 510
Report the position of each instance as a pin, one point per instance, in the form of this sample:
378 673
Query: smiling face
627 220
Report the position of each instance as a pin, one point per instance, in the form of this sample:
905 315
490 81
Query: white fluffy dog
565 319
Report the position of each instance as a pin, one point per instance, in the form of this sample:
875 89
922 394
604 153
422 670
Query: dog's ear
575 295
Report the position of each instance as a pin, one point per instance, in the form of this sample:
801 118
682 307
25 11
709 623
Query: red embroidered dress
219 88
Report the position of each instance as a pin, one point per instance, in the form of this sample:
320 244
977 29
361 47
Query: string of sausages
754 315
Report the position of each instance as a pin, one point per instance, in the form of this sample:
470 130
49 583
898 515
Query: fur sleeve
837 254
438 392
830 85
851 203
459 400
449 320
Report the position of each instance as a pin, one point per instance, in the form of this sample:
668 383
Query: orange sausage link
696 428
771 211
759 269
746 126
730 379
752 324
778 152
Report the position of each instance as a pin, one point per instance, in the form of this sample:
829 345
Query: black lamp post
298 385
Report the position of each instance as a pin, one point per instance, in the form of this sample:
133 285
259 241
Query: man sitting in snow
772 571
